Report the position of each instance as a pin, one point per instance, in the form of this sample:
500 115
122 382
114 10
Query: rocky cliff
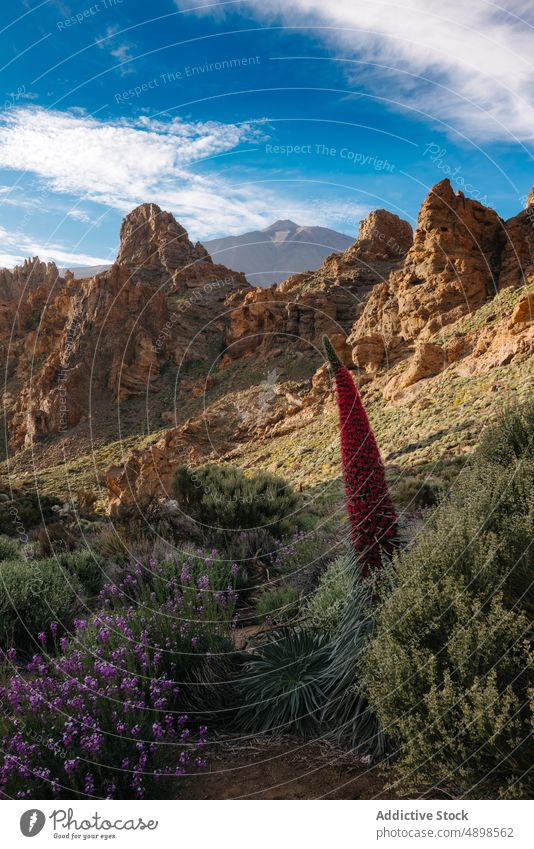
450 270
154 247
305 306
79 346
438 326
429 323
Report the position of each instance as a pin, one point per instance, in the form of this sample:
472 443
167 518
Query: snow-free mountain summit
270 255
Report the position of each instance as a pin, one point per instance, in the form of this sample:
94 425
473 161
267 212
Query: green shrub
190 564
279 687
449 671
32 595
223 500
304 557
325 608
251 545
9 549
510 436
88 568
416 492
109 722
25 510
55 537
278 604
109 544
186 619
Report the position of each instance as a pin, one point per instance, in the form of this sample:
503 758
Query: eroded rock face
306 306
413 314
24 293
103 339
368 352
97 340
382 236
450 270
517 263
427 361
231 420
523 311
28 277
400 311
154 246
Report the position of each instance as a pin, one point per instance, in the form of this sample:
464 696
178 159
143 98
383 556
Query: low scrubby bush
55 537
412 492
325 608
510 437
223 500
9 549
195 563
34 593
88 568
450 669
104 726
25 510
304 556
277 604
110 545
186 615
251 546
107 714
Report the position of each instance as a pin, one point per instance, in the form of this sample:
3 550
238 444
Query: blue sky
239 113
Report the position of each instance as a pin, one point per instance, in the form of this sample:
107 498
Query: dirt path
284 769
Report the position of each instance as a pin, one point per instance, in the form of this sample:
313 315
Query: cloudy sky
234 114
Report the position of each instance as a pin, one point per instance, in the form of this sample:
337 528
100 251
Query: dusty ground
284 769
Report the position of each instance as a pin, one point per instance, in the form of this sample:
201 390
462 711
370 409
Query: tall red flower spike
371 512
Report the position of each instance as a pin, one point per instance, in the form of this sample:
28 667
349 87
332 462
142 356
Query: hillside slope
180 360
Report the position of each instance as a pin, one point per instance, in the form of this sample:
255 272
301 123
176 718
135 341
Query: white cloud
20 246
80 215
121 164
122 51
12 196
469 64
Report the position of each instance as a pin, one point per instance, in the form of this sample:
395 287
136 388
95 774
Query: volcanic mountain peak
272 254
281 224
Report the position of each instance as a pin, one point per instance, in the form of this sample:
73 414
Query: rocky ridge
421 319
436 327
304 307
85 344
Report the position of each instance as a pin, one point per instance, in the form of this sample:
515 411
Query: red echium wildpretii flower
371 512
